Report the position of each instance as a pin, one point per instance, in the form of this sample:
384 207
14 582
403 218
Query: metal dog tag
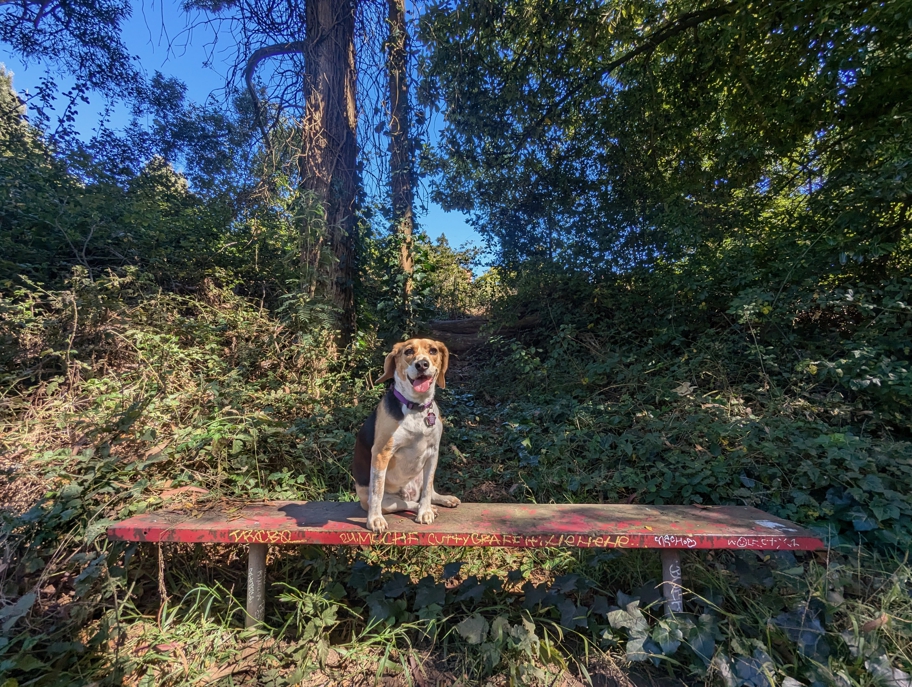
430 419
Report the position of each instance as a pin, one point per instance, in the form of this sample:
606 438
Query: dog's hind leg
390 503
445 500
394 504
363 494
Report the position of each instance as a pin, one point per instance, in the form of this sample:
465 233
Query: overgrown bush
797 405
120 397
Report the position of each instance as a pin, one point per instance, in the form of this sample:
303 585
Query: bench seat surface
478 524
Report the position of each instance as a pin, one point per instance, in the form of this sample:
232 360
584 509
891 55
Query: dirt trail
464 339
468 346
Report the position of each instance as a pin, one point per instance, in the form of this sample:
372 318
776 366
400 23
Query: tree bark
329 147
401 150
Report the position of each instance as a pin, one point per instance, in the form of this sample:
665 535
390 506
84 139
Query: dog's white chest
414 443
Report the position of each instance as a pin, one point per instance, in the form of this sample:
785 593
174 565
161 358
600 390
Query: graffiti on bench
672 541
477 539
262 536
582 541
764 543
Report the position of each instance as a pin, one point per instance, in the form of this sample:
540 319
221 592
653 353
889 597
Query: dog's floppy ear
389 365
445 354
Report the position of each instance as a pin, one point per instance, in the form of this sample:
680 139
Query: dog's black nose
422 365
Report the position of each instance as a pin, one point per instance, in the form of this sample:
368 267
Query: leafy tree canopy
81 37
608 136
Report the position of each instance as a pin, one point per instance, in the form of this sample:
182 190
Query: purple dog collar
411 405
430 419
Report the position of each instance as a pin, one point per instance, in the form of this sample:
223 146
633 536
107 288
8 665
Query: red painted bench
668 528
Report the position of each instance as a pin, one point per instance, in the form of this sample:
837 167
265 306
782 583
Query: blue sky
162 38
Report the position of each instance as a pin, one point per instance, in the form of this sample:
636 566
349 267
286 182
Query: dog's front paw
426 515
447 501
377 523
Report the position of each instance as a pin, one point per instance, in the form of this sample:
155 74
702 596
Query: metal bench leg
671 581
256 584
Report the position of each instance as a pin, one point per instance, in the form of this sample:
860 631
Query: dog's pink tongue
422 384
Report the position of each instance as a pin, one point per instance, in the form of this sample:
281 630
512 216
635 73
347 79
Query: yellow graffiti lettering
243 536
261 536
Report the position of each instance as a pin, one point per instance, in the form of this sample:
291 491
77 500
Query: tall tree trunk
401 150
329 147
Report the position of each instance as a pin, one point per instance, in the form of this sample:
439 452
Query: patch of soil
20 489
606 673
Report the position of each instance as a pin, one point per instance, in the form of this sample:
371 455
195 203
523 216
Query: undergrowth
120 398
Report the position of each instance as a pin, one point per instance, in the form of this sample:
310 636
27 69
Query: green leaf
397 585
668 636
69 491
755 671
363 574
429 593
491 654
499 628
96 529
380 608
473 629
572 616
599 606
470 590
566 583
702 638
10 614
89 574
34 564
630 618
451 570
635 650
27 662
534 594
524 637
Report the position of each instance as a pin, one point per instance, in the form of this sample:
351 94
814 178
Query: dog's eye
433 351
410 351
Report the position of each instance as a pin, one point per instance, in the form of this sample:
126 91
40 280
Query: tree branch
652 41
685 21
253 61
26 5
39 15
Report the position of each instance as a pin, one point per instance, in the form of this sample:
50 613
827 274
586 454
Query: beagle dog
397 448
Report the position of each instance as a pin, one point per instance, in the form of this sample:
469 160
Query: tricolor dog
396 450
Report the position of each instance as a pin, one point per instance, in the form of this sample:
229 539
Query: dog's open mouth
422 384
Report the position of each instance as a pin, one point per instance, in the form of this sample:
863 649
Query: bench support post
256 584
671 581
